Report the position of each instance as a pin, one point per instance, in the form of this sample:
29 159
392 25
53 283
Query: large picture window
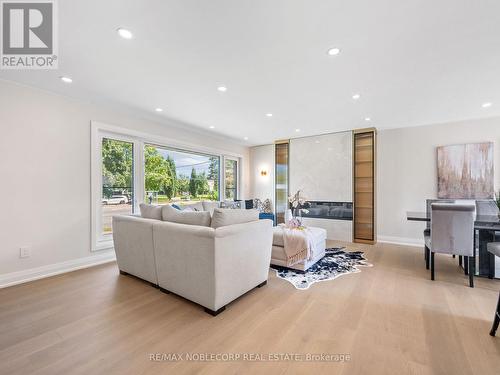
173 175
130 167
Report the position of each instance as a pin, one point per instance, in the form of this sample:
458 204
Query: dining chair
452 232
486 207
427 230
494 248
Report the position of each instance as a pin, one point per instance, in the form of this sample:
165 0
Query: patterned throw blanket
298 244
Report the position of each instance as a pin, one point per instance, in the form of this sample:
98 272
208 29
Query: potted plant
497 201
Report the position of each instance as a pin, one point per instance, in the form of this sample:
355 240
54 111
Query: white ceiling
414 62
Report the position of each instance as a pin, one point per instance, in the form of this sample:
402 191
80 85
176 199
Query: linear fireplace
328 210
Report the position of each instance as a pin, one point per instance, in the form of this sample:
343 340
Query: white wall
45 173
407 171
262 158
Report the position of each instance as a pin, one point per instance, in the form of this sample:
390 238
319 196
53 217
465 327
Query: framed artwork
466 171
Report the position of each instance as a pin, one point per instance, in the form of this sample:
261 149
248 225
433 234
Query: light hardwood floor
390 318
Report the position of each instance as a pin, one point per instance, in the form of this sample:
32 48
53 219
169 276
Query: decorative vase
298 215
288 216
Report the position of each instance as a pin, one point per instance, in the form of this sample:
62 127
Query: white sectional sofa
210 265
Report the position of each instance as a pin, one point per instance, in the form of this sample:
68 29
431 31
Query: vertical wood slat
364 175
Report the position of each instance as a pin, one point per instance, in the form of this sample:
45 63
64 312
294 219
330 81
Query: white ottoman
278 256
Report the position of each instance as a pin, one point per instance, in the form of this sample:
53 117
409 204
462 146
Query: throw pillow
150 211
257 204
185 217
222 217
198 206
249 204
210 206
267 207
176 207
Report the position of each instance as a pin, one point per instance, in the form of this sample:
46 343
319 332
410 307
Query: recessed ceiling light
124 33
159 110
356 96
316 141
368 119
222 88
246 138
212 127
66 79
333 51
486 105
269 114
297 130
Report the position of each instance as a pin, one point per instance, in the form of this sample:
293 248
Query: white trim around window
139 139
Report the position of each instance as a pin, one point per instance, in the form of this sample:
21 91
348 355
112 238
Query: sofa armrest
133 243
242 259
185 260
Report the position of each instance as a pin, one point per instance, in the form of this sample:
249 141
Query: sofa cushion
224 217
210 206
198 206
185 217
150 211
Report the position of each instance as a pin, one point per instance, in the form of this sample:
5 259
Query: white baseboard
14 278
401 241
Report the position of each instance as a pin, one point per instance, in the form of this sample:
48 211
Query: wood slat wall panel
364 185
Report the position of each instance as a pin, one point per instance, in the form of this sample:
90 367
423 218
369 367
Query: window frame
139 139
237 177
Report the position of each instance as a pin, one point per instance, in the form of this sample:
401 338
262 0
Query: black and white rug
335 263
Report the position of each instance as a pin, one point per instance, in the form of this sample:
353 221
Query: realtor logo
29 38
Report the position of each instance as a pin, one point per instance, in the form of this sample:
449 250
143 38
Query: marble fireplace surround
321 166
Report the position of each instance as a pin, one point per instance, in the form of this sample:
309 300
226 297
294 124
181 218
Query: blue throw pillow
177 207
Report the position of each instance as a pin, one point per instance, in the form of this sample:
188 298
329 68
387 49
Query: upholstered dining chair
486 207
452 232
494 248
427 230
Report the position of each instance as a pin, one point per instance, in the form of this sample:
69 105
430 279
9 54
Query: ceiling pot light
356 96
367 119
222 88
486 105
269 114
124 33
211 127
297 130
66 79
333 51
245 138
159 110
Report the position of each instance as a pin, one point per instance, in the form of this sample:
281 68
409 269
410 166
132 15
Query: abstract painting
465 171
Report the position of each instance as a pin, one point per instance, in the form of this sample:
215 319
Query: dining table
486 228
